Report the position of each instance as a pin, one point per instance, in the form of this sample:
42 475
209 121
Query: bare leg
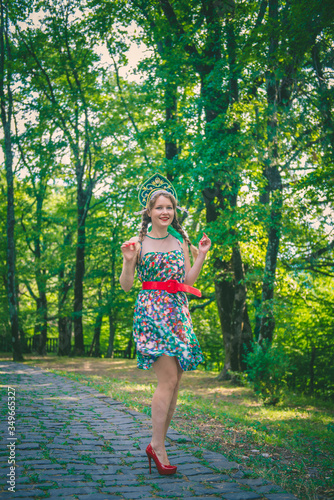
172 405
166 370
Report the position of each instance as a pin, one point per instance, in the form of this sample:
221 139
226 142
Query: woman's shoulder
184 245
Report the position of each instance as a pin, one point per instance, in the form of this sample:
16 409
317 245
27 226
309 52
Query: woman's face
162 213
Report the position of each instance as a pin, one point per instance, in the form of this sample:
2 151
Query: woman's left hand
204 244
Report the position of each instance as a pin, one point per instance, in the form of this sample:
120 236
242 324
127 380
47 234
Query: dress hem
141 366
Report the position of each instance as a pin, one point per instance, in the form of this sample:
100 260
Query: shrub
267 369
237 378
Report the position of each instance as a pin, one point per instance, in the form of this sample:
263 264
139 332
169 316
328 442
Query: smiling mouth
164 218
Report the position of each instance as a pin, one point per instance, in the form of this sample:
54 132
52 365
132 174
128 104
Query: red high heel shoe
162 469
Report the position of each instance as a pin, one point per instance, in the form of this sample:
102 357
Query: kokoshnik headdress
156 182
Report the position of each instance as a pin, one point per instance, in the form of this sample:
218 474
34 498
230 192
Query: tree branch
176 26
128 111
321 251
30 290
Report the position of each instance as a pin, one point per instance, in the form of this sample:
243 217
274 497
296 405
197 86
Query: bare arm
193 272
130 251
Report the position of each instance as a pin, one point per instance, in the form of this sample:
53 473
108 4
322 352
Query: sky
135 54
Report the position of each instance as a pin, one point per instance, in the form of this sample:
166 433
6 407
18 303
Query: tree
66 80
6 103
280 95
220 186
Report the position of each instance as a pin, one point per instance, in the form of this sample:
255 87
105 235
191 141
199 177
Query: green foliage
267 368
208 331
304 327
74 105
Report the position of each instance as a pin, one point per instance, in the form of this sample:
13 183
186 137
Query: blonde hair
146 219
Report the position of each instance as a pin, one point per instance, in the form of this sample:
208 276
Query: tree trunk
97 328
65 332
64 318
231 294
267 324
97 350
129 348
22 334
224 289
41 323
112 331
6 103
96 339
79 348
42 304
112 310
230 288
273 194
165 47
171 149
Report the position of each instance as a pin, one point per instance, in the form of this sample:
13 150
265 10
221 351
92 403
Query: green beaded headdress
156 182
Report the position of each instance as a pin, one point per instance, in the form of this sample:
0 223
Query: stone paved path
74 443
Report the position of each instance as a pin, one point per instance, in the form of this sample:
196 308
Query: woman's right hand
129 250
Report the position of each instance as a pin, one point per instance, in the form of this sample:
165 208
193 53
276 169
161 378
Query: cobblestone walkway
74 443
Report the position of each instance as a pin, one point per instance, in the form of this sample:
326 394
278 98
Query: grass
291 444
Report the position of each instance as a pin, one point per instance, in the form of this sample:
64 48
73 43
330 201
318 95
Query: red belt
171 286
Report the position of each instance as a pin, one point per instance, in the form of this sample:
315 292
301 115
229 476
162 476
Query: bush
237 378
267 369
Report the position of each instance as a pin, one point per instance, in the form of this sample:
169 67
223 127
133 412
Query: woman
162 325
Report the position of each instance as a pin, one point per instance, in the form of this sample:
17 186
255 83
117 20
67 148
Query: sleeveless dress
162 324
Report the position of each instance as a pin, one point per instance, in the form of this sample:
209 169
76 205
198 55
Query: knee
168 373
171 383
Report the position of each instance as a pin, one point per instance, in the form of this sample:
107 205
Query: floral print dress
162 323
